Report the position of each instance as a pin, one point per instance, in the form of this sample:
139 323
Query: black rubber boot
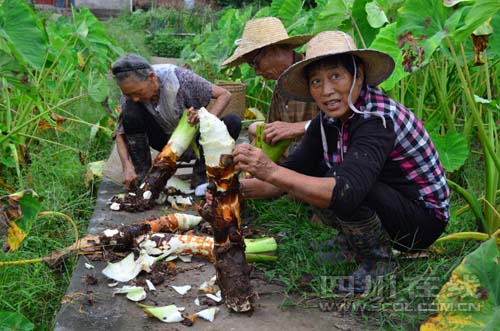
199 175
337 249
138 149
373 247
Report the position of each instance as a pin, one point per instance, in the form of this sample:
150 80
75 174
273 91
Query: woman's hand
277 131
193 118
254 160
130 178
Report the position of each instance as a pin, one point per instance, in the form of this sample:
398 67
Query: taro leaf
13 72
480 12
452 149
98 87
375 15
11 321
470 300
23 31
421 25
287 10
329 15
494 39
367 32
18 211
385 42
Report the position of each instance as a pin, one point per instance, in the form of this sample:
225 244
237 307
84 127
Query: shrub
167 44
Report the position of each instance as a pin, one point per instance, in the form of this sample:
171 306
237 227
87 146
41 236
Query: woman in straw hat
366 161
267 48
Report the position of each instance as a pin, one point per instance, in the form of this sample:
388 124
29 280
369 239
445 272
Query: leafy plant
12 321
166 44
470 299
41 76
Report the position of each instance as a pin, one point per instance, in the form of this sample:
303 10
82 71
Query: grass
390 305
57 176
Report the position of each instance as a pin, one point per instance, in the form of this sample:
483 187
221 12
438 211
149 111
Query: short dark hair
131 65
341 60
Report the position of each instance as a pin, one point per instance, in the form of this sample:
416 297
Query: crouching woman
366 162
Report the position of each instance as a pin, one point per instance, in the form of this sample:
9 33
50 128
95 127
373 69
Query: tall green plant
45 75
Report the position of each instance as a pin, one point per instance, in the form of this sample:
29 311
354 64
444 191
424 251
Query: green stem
50 142
13 151
483 137
39 116
471 200
421 95
467 207
440 88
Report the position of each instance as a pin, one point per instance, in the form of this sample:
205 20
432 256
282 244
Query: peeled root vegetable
164 167
233 271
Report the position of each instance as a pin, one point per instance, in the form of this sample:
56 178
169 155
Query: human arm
129 174
314 190
256 188
222 98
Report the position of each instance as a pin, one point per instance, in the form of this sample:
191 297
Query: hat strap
349 99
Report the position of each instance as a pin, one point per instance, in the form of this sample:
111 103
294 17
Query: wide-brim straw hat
378 65
261 32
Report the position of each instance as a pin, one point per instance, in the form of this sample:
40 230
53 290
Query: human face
329 86
141 91
266 63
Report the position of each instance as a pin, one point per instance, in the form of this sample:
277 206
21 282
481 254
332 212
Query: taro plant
44 69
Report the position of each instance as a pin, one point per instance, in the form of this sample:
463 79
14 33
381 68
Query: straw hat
293 82
261 32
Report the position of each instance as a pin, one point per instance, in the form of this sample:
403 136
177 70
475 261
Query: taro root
223 212
164 167
124 237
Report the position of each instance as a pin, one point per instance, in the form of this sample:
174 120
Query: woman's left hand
193 118
254 160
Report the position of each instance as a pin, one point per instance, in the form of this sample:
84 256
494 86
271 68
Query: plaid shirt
401 155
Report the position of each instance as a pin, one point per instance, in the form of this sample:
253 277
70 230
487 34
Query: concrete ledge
92 307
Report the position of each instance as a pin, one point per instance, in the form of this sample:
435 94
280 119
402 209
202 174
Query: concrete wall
105 8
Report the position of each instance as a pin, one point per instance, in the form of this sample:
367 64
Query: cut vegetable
223 213
167 314
134 293
208 314
164 166
273 151
181 289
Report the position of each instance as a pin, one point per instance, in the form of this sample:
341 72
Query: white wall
105 5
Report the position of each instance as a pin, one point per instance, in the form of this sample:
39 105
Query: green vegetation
55 119
166 44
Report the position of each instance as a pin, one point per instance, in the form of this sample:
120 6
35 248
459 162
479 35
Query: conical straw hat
261 32
378 66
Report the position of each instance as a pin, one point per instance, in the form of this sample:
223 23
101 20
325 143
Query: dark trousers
136 119
409 224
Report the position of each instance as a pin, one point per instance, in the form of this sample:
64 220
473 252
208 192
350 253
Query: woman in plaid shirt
366 163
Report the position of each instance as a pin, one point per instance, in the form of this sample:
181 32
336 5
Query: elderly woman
366 162
155 96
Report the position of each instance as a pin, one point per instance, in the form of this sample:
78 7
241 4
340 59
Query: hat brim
237 57
378 66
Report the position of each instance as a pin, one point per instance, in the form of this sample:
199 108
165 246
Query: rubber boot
138 149
199 175
337 249
372 245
